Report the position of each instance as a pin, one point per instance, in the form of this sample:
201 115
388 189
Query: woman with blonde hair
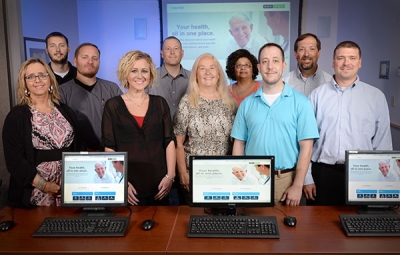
204 119
35 133
141 124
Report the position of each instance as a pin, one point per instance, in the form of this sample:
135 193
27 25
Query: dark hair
53 34
304 36
85 44
347 44
233 58
171 37
271 45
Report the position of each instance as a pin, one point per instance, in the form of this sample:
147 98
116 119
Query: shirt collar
334 83
164 72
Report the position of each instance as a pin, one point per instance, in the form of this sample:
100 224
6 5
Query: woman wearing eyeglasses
35 133
241 66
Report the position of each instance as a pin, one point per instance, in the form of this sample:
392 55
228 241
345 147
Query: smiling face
172 52
88 61
307 53
207 73
239 172
240 29
100 169
346 63
384 168
57 49
139 76
243 69
271 65
39 86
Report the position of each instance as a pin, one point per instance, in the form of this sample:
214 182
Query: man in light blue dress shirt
351 115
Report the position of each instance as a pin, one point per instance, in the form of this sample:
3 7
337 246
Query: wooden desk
137 241
318 231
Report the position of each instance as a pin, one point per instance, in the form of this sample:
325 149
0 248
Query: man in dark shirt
57 48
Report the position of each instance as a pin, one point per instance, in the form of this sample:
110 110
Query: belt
284 171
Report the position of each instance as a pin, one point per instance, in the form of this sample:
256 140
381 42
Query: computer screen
231 181
94 181
209 26
373 180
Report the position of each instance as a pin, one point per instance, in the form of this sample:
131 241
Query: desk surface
318 231
19 239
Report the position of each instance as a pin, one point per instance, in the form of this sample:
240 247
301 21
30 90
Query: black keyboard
83 226
233 226
371 225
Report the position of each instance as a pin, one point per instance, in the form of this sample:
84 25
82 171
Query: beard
64 60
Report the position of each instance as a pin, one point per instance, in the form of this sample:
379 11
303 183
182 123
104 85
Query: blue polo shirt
275 130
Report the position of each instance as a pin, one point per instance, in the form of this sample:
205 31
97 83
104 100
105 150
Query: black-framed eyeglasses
33 77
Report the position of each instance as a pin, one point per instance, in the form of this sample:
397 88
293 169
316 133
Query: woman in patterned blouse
204 119
35 133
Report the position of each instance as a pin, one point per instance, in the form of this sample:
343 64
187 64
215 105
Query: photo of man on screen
243 36
102 175
265 173
385 174
241 176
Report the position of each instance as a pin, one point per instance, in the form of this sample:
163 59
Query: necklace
246 91
138 105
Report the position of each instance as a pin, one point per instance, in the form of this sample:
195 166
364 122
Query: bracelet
41 184
169 178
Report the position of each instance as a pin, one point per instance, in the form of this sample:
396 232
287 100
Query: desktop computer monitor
94 181
372 180
229 182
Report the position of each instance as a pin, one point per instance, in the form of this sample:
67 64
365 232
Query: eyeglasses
32 77
239 66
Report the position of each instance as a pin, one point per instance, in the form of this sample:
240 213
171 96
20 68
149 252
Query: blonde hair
24 98
194 91
126 63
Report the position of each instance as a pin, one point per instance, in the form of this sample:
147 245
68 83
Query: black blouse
146 146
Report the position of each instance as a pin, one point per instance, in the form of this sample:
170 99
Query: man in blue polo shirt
277 120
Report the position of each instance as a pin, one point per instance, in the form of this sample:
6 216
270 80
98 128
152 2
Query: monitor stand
230 211
370 209
96 212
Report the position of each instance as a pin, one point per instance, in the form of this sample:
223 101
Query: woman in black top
141 124
35 133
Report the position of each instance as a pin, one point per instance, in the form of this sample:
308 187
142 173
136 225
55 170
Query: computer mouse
7 225
148 224
290 221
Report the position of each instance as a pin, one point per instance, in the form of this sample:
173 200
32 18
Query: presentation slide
221 28
238 182
374 179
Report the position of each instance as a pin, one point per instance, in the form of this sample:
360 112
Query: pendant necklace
138 105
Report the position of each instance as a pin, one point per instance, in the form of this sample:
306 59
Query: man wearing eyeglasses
87 94
57 48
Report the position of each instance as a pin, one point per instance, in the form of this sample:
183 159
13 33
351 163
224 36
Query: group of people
306 119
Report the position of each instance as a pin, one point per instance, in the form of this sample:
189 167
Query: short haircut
347 44
83 45
54 34
271 45
240 16
233 58
171 37
304 36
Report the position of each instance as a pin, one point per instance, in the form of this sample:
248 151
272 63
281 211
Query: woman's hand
51 188
163 189
132 199
184 180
